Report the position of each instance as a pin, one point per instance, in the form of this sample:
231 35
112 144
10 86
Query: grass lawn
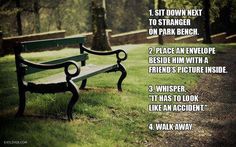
103 116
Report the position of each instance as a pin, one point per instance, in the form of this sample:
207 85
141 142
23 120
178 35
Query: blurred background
22 17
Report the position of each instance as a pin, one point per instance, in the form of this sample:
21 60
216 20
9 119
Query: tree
130 19
36 7
134 15
206 9
18 17
223 23
58 19
37 16
74 16
10 17
160 6
151 4
100 39
127 15
71 15
115 14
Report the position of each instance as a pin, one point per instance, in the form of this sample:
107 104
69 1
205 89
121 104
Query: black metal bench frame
22 65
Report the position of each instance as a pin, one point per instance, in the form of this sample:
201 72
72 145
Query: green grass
103 117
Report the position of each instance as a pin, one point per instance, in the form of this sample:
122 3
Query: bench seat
86 72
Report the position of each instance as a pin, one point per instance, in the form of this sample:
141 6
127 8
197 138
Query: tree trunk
151 4
1 49
100 39
228 14
206 9
58 19
159 6
37 16
18 18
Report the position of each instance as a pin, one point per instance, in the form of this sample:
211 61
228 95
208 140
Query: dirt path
216 126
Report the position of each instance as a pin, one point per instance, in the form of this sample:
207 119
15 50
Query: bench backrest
53 43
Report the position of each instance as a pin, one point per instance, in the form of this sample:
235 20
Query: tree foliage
44 15
127 15
122 15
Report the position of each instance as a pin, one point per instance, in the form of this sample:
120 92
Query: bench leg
122 77
83 84
21 108
74 89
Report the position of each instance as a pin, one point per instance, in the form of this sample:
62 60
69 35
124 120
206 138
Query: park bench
62 82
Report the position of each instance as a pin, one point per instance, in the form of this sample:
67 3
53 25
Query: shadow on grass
33 131
90 103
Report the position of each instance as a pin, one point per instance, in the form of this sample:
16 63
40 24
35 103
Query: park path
216 126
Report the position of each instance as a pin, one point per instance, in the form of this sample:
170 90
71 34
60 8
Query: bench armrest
117 52
64 65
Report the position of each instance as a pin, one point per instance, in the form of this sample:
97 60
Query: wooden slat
86 72
51 43
77 58
90 71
